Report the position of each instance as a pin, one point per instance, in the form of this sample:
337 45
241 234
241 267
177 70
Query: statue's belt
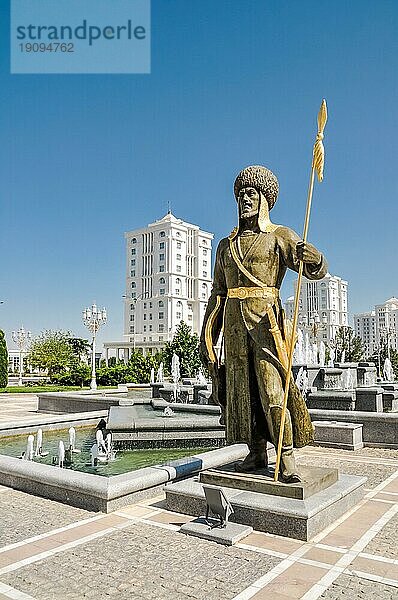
266 292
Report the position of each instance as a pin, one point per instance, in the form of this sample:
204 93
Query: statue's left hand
308 253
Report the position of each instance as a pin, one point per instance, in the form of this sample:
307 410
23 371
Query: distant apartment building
378 326
324 300
168 280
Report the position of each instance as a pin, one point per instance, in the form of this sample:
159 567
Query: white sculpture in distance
322 353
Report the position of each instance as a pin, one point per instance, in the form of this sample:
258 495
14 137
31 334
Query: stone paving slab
385 543
23 516
143 562
376 473
350 587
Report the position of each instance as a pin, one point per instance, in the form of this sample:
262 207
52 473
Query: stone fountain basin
106 494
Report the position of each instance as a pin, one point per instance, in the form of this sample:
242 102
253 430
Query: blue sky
234 82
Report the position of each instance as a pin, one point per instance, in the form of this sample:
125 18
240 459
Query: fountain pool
126 461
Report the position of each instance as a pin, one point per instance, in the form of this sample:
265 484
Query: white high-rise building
365 328
168 280
324 300
378 326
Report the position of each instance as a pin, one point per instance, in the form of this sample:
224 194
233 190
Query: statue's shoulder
223 245
285 233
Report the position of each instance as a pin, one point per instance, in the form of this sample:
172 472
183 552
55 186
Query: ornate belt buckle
242 293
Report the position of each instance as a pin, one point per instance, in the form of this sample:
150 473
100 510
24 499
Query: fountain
61 454
160 374
175 374
29 448
388 371
152 378
72 440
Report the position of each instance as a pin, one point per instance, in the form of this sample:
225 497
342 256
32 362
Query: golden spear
318 159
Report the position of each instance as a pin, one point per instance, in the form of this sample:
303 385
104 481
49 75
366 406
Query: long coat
246 325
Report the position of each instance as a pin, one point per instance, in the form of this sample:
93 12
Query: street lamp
21 338
93 318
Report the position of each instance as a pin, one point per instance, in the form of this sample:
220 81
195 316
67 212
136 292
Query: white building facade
379 326
168 280
324 300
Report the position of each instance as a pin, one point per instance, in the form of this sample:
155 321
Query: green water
128 460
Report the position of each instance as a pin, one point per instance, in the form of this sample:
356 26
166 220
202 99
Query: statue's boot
256 459
287 468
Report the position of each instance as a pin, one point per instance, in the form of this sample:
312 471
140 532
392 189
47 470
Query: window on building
161 315
205 263
134 241
133 251
150 305
161 328
162 281
162 234
204 252
161 256
179 315
132 329
179 245
131 317
178 268
204 291
133 284
144 316
178 256
161 291
161 303
161 268
144 304
189 317
150 327
133 262
132 273
161 245
133 295
150 316
204 273
144 327
178 234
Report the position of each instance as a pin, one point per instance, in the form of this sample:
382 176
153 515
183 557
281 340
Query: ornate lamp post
21 339
93 318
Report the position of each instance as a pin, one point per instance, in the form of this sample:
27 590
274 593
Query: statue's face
249 202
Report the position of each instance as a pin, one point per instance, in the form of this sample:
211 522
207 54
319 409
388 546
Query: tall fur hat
260 178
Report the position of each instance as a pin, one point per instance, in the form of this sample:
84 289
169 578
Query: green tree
80 348
51 351
348 343
3 361
186 345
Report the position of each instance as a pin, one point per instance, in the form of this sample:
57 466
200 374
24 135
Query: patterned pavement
49 551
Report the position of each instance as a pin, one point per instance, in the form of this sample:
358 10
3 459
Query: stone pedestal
155 389
367 374
231 534
369 399
286 516
390 401
198 387
335 434
331 400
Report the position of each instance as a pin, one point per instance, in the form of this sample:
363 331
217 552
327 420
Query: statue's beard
248 214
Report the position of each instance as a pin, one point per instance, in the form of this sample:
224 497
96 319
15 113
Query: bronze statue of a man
250 266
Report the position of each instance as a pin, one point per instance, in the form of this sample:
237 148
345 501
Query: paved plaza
49 550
